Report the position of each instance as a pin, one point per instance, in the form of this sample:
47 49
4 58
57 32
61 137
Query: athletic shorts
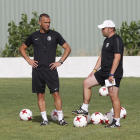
100 77
42 77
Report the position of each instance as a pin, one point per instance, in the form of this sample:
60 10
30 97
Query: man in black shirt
44 66
108 66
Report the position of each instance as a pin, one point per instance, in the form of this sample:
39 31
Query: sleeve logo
107 44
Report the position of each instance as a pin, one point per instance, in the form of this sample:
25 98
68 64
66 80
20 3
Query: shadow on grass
39 119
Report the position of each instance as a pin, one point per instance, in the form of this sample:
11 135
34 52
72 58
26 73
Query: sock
117 121
85 107
44 115
60 115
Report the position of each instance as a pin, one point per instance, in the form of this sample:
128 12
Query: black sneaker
63 122
44 123
80 112
112 125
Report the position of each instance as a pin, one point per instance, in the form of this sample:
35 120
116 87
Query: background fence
76 20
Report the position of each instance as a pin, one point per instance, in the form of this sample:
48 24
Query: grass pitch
16 94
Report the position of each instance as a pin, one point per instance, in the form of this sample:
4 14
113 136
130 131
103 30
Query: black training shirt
111 46
44 45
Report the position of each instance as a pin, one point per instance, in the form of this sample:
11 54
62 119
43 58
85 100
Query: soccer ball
97 118
88 118
80 121
25 114
122 113
103 91
54 115
108 117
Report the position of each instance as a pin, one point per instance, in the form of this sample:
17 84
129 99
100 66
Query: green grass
16 94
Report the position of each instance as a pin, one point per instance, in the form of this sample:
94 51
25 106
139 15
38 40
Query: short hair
114 29
43 15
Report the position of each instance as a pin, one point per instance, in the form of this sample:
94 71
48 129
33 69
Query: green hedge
130 35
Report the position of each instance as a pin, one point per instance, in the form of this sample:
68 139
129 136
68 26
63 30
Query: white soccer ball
26 114
54 115
122 113
108 117
88 118
97 118
80 121
103 91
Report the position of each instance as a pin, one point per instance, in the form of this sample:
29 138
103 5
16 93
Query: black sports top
111 46
44 45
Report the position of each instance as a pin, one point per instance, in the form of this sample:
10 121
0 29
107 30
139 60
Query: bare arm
31 62
98 64
63 58
66 52
115 64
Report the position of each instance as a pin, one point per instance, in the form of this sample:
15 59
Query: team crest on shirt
49 38
107 44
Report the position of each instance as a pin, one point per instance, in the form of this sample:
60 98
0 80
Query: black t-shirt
111 46
44 45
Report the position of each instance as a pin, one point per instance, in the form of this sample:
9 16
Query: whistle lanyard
44 43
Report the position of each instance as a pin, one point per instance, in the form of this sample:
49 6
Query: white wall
72 67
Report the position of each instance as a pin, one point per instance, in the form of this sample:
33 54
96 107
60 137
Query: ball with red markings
26 114
97 118
88 118
54 115
108 117
80 121
122 113
103 91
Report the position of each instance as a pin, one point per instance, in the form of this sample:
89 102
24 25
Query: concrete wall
72 67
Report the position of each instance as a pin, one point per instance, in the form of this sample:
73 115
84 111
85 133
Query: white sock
117 121
60 115
44 115
85 107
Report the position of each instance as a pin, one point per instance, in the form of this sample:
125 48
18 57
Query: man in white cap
108 66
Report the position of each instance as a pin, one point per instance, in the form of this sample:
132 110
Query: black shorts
100 77
42 77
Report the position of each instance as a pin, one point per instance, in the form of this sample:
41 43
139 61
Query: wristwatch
111 74
60 61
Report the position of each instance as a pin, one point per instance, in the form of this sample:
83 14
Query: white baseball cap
107 23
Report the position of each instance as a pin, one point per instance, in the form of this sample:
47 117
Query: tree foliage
130 35
19 33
